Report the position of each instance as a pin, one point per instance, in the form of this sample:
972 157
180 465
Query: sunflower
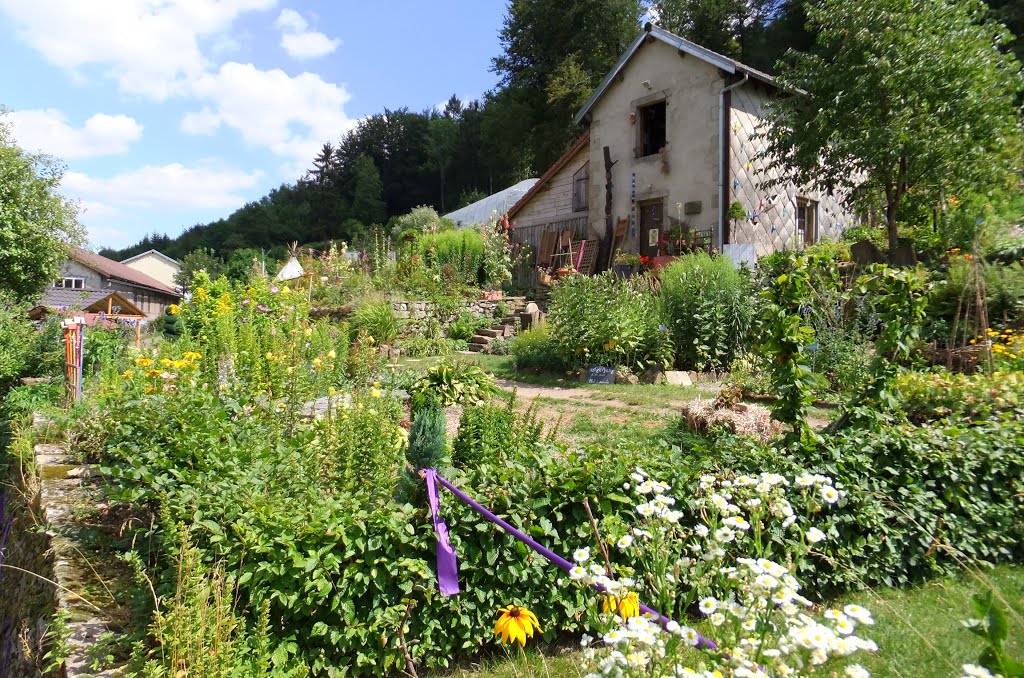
515 623
628 606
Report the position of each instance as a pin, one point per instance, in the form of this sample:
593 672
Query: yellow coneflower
143 362
628 606
516 624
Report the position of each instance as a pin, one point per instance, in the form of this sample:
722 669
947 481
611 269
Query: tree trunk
891 229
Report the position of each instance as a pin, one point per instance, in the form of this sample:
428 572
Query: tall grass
457 256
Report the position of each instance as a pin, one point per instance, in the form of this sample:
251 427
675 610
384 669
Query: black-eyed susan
516 624
626 607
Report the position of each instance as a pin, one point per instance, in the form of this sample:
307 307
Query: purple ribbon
447 565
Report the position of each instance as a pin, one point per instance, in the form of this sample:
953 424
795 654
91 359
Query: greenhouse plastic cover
495 205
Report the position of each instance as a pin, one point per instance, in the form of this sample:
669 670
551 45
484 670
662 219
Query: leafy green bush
536 350
453 382
377 319
929 397
14 337
707 304
489 433
420 346
605 320
466 325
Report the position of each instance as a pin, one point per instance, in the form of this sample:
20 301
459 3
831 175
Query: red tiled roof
118 271
557 165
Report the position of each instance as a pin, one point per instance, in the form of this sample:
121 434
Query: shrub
466 325
14 337
706 302
929 397
605 320
453 383
536 350
419 346
376 319
428 448
490 433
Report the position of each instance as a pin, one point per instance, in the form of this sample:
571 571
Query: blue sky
169 113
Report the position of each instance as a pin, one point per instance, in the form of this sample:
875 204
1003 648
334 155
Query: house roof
61 299
493 205
118 271
169 260
684 46
550 172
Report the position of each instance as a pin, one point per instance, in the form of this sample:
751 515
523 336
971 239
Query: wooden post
609 232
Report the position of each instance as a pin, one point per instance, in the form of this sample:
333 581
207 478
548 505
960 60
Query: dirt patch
583 396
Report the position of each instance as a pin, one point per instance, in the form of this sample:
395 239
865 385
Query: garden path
581 395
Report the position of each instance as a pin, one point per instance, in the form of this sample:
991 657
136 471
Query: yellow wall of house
156 267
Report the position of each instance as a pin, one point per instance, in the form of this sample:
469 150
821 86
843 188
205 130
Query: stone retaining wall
417 313
42 539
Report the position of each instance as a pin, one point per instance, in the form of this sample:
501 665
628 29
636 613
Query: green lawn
918 631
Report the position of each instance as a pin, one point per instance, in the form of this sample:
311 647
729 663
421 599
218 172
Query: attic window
579 189
71 283
652 128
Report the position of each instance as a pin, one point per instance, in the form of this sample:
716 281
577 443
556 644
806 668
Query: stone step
477 348
481 340
510 320
495 333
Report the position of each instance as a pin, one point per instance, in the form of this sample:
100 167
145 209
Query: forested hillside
553 53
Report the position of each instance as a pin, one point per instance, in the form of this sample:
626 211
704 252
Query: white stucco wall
688 170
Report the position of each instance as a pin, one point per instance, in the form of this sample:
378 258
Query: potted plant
626 263
736 213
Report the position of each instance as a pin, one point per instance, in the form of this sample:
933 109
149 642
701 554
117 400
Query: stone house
91 272
673 129
156 265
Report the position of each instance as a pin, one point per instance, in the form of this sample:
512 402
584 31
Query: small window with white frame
70 283
807 220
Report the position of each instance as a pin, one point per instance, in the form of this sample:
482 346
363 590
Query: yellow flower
285 290
375 392
1013 356
516 624
174 309
178 364
201 294
369 339
222 388
166 362
153 373
309 332
331 354
628 606
128 374
143 362
191 355
270 356
317 362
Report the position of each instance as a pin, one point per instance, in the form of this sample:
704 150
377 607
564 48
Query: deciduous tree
37 224
898 96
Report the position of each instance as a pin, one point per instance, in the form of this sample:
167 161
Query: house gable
551 198
684 171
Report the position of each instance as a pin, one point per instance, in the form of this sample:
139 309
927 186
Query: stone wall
27 599
45 488
416 313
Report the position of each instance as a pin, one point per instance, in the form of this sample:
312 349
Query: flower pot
545 279
562 272
625 270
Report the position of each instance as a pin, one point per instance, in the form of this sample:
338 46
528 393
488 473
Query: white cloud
172 186
290 115
151 47
299 41
48 131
